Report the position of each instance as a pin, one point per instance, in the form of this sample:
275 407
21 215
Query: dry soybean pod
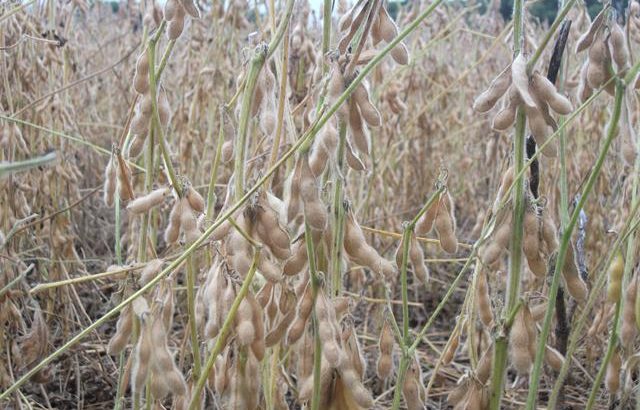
531 242
142 358
413 388
483 298
615 272
386 341
416 256
628 329
505 118
520 80
245 328
353 160
145 203
445 224
485 101
544 90
367 109
110 182
425 222
575 285
359 135
586 39
612 378
618 45
124 326
519 343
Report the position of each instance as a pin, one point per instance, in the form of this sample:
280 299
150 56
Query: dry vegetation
209 207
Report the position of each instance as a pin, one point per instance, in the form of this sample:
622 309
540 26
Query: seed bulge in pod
191 8
110 178
164 110
146 202
546 91
136 145
170 9
616 270
196 201
367 109
176 26
400 54
485 101
505 118
586 39
388 28
599 59
353 160
358 133
483 298
618 44
142 64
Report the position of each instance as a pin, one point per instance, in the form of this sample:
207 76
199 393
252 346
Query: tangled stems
250 84
629 263
613 342
338 212
310 134
261 55
317 345
628 229
565 242
499 364
222 336
151 52
211 192
407 350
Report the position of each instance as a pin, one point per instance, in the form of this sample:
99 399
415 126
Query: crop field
336 204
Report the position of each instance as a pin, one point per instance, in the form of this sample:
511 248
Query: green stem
576 335
404 360
613 342
326 32
338 212
222 336
284 23
402 371
406 242
165 58
151 51
243 124
119 393
118 234
515 250
191 307
211 193
261 55
148 186
627 277
566 242
447 295
317 345
515 268
7 168
405 342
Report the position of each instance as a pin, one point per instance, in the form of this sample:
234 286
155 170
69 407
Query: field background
67 259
